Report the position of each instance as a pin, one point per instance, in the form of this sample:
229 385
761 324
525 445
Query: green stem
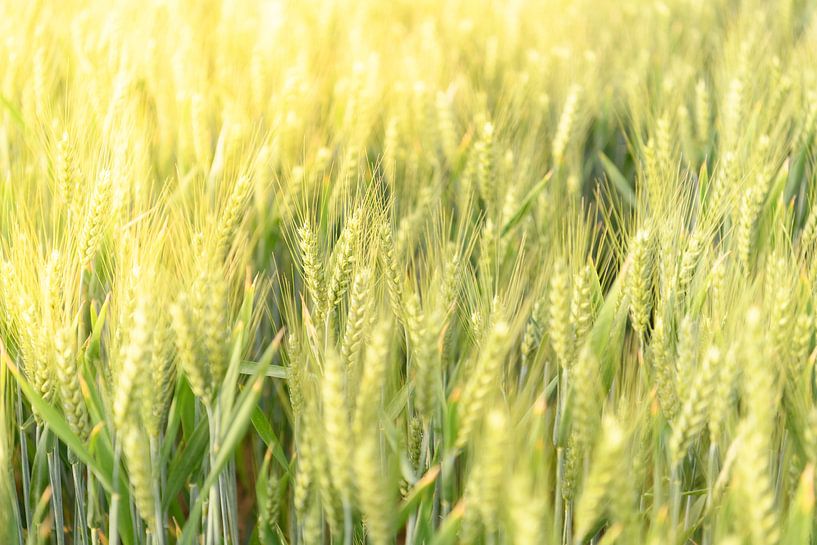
675 494
80 529
158 513
347 522
54 476
25 468
558 509
10 495
113 523
568 527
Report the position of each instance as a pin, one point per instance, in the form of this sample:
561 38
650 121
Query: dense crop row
408 272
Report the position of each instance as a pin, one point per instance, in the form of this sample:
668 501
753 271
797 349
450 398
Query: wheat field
417 272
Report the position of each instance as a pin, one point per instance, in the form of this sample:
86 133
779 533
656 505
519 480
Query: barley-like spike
162 366
297 375
566 125
689 261
211 311
269 512
724 397
664 369
585 301
426 361
447 128
603 470
527 511
586 395
65 170
808 236
694 412
67 374
484 489
703 113
640 280
486 166
753 469
312 268
91 234
486 373
782 309
560 327
534 330
187 343
135 359
388 264
343 259
337 422
745 229
391 145
135 447
355 332
232 215
374 492
306 469
571 471
803 333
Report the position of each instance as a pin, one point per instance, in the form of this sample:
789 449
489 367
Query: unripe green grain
162 375
374 491
803 333
585 301
336 423
66 171
808 236
754 466
388 265
486 167
90 236
232 215
527 511
703 113
603 470
782 308
692 418
587 392
269 511
566 125
211 311
534 330
640 280
485 375
355 332
446 127
297 375
343 259
560 329
664 369
391 145
689 261
312 269
67 372
663 142
134 357
135 447
187 349
724 397
748 212
486 482
426 362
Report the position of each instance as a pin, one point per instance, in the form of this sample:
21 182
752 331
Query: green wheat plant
341 272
